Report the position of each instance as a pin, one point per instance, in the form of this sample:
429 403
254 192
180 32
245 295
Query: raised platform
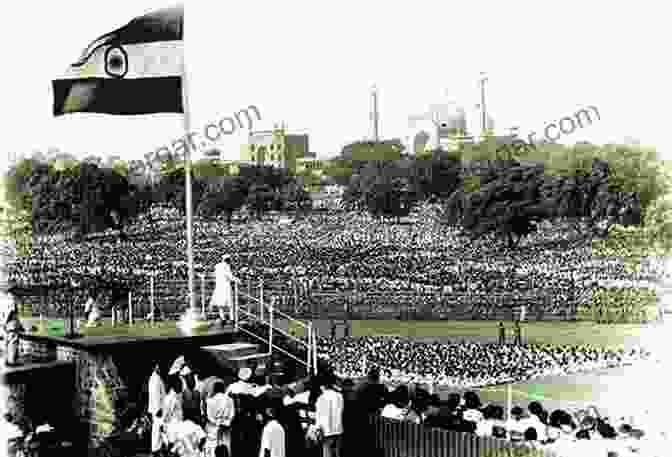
17 374
208 337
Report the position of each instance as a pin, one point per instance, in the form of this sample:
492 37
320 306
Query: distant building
443 126
276 148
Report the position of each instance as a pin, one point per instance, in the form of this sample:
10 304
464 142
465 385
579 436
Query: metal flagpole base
192 320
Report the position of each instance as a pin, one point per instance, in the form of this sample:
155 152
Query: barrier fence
168 297
406 439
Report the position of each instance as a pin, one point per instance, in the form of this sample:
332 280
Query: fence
406 439
297 299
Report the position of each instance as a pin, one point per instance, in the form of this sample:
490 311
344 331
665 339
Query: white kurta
157 391
222 297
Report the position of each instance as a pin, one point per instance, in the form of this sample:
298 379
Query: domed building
440 125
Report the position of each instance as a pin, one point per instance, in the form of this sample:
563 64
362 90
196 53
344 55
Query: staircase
262 332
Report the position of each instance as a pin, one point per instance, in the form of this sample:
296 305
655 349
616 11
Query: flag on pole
136 69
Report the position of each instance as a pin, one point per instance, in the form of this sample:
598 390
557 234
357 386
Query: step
249 357
238 355
232 350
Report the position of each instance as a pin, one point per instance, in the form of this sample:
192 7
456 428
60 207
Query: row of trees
506 190
83 197
486 188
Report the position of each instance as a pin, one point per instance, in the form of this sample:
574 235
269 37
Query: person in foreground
329 416
273 435
220 414
13 329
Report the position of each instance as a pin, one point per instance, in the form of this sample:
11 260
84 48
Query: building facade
443 126
275 148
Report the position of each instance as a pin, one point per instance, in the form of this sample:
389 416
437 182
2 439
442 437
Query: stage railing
269 310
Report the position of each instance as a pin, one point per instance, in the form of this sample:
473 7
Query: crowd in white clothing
464 364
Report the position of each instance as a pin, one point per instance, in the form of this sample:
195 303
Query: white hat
244 374
185 370
178 364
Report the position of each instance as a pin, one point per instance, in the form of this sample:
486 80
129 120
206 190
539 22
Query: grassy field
609 336
613 335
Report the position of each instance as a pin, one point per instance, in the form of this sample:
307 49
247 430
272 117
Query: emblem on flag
136 69
116 61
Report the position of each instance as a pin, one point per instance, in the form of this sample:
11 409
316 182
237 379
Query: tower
374 113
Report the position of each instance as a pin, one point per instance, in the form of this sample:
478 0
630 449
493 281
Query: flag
136 69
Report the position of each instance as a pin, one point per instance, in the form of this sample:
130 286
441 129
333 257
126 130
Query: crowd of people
317 259
465 364
327 415
254 415
567 433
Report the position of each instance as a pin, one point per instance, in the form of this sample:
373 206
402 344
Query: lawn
544 332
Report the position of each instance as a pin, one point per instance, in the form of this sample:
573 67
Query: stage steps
238 355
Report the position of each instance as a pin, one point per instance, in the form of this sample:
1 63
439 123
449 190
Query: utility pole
374 112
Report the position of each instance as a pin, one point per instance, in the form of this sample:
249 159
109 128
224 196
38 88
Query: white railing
269 309
257 310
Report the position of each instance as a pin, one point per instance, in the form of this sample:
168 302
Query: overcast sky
311 64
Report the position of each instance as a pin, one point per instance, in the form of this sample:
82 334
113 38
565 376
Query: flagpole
187 183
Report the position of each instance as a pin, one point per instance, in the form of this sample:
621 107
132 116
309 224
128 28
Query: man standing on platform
222 298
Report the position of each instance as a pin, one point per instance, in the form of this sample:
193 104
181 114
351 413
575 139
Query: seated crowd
567 434
465 364
319 256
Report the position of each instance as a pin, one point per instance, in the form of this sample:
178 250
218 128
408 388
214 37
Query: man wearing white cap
222 297
242 386
157 392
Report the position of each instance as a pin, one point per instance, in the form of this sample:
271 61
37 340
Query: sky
312 64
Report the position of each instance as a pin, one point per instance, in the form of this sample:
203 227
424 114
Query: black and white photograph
415 229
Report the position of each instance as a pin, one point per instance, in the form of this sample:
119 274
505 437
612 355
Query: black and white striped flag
136 69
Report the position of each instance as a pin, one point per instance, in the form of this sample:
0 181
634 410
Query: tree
436 174
228 197
508 200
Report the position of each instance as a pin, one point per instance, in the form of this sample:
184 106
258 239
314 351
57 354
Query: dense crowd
464 364
567 434
319 258
327 415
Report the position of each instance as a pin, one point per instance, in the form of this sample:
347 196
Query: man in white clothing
220 411
273 436
329 417
222 298
156 391
242 386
